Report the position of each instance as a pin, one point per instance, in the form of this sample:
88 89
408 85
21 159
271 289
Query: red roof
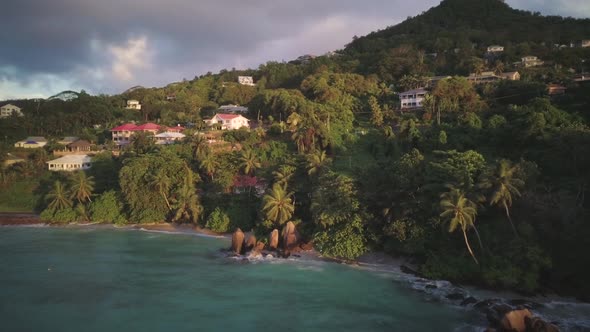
178 128
227 116
127 126
147 126
245 181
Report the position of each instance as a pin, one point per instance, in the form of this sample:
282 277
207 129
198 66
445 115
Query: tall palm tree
503 183
58 197
249 161
161 182
186 201
317 161
299 137
461 212
208 164
278 205
198 146
81 187
284 174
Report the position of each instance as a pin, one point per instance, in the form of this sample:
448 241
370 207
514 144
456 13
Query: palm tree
198 145
208 164
58 197
186 200
461 212
317 161
249 161
81 187
162 183
293 121
278 205
299 137
503 183
284 174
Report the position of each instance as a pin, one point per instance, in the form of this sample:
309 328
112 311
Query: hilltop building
9 110
412 99
31 142
229 121
530 61
133 104
246 80
233 109
70 163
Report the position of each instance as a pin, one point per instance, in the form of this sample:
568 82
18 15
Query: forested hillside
486 184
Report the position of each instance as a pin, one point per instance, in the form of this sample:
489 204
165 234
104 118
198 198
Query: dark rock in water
536 324
468 301
485 304
455 296
408 270
290 237
307 246
525 303
237 239
273 239
515 320
259 246
429 286
249 242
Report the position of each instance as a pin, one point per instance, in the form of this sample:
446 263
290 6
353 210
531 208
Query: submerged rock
259 246
468 301
536 324
237 239
273 239
525 303
455 296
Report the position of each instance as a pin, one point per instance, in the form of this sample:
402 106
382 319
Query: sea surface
97 279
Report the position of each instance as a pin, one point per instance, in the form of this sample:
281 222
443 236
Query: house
31 142
171 97
412 99
233 109
70 163
305 58
246 80
530 61
556 89
12 159
229 121
79 146
133 104
495 49
168 137
9 110
122 134
246 183
67 140
511 76
585 43
484 77
176 129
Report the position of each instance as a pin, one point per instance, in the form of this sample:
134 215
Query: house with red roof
229 121
122 134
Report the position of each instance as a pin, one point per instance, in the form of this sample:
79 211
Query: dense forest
487 184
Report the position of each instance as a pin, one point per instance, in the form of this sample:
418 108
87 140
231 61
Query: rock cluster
283 244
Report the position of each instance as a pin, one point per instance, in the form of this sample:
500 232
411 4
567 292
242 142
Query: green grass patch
19 196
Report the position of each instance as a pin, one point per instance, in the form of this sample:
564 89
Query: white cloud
129 58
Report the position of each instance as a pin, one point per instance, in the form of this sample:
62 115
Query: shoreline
373 261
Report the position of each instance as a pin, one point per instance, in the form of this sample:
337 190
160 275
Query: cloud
128 58
109 45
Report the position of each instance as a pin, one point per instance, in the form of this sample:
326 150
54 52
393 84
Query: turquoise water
55 279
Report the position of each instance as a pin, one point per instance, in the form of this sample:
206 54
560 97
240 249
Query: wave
181 233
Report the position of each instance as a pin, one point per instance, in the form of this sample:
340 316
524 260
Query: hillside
482 22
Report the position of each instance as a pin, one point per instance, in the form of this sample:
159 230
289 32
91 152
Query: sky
107 46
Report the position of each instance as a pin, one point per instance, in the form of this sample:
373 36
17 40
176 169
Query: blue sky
108 46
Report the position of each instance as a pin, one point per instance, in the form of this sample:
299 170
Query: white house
233 109
585 43
530 61
133 104
168 137
9 109
412 99
246 80
31 142
495 49
70 163
229 121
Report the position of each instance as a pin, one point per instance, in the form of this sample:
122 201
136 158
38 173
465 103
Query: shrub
62 216
218 221
345 240
107 208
